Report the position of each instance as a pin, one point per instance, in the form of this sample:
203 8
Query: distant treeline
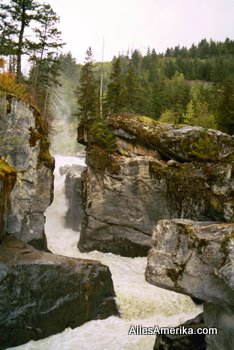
194 86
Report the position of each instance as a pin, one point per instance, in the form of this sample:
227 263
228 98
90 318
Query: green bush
102 135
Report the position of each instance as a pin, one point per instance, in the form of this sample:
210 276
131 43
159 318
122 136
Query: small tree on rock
87 91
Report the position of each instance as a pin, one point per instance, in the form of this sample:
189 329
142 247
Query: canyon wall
141 171
25 146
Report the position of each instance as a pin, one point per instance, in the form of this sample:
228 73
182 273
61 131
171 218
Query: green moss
6 169
205 148
145 119
189 229
123 152
100 134
216 204
44 156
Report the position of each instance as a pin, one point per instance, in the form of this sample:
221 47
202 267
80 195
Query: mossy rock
100 134
179 142
45 157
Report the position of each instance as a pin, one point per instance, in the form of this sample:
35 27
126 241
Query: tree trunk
20 44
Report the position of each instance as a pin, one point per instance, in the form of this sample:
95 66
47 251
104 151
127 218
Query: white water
139 302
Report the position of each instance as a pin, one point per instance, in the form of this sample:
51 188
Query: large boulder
180 142
197 259
42 294
24 144
141 171
193 258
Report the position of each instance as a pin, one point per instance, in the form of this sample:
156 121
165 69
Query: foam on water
139 302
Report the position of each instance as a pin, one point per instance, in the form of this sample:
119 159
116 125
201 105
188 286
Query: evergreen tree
130 88
46 64
225 106
115 89
68 66
87 91
189 116
15 17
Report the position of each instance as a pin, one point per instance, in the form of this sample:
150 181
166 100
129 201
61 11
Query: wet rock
193 258
156 171
73 192
42 294
183 341
25 145
197 259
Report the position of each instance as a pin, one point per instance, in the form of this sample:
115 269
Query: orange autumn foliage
2 62
8 84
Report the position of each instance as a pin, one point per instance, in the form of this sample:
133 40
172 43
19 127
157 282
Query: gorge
138 173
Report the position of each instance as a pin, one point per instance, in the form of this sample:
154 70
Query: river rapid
139 302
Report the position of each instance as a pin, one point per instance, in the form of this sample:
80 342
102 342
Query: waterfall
139 302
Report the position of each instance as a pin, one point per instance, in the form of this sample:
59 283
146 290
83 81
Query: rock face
7 181
198 259
24 145
42 294
73 192
141 171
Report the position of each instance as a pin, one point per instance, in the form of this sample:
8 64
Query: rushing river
139 302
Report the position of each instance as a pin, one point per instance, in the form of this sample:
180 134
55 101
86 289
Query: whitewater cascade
139 302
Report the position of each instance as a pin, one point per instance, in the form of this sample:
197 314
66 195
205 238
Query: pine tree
16 16
130 88
225 106
115 89
189 117
87 91
46 64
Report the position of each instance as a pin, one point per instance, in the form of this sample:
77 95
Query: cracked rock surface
156 171
24 145
197 259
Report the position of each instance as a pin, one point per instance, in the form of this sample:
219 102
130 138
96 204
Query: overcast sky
137 24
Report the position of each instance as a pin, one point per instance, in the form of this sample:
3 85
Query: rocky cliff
198 259
24 145
141 171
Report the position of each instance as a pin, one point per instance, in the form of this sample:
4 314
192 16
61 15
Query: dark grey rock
182 341
221 317
42 294
73 192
